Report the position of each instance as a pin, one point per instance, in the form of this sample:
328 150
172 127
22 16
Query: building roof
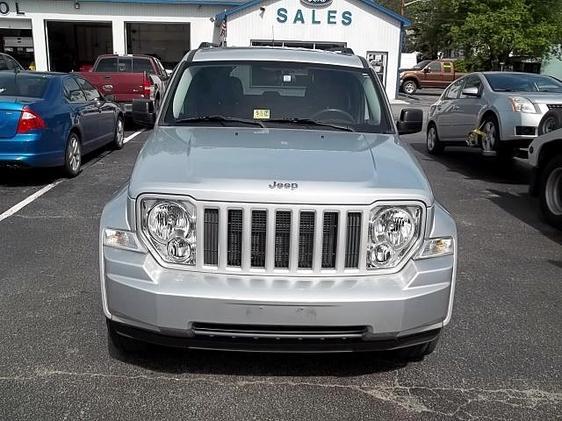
371 3
180 2
294 55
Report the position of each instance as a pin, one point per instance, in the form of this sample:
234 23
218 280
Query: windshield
22 84
521 82
277 95
421 64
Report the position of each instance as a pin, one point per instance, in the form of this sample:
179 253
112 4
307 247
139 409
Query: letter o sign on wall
4 8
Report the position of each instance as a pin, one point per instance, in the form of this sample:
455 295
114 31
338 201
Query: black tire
409 86
550 191
72 155
433 144
418 352
119 135
492 140
120 346
551 121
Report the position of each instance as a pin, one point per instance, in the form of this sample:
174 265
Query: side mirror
471 92
426 70
411 121
143 112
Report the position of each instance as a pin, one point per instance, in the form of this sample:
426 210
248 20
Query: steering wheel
348 118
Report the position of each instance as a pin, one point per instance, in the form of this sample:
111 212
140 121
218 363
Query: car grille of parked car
554 106
283 239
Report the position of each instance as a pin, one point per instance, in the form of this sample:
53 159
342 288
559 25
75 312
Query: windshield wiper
309 122
219 119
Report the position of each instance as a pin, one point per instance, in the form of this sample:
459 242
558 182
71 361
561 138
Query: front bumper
521 127
391 310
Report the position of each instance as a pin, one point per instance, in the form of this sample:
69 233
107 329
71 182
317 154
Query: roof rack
208 45
341 50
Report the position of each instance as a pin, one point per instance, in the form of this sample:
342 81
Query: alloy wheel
120 132
431 137
409 87
549 125
74 155
553 191
490 137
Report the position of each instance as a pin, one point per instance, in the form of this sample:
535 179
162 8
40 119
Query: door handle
107 77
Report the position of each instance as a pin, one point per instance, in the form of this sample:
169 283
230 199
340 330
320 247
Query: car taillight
147 87
29 120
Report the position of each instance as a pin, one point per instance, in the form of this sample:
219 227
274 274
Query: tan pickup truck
435 74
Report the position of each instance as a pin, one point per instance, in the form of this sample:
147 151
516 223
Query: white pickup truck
545 156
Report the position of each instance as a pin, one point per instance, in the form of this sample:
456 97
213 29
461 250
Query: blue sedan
53 119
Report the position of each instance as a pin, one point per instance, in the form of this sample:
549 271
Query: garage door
167 41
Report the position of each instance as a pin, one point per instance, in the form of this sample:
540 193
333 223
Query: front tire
120 346
72 156
432 142
119 137
491 142
418 352
550 192
551 121
410 87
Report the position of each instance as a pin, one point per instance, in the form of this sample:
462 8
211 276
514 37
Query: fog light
381 254
179 249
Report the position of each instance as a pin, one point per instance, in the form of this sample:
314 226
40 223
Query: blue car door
105 121
83 112
78 108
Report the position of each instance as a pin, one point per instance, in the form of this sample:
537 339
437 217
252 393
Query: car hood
242 165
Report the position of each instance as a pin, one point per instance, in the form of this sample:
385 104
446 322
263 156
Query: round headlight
395 226
168 219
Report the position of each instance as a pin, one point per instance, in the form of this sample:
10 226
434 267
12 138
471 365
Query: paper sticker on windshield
261 114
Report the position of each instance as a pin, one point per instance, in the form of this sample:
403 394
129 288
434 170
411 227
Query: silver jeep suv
274 207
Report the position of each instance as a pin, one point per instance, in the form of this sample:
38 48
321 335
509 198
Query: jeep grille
271 239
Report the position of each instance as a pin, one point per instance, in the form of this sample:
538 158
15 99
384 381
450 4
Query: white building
66 35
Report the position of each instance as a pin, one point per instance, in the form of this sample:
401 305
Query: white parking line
17 207
135 134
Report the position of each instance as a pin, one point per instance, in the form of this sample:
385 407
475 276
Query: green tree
487 31
495 29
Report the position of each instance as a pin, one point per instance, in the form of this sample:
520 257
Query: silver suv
274 207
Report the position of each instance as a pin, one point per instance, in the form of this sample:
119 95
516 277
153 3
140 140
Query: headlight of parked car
169 228
393 232
522 105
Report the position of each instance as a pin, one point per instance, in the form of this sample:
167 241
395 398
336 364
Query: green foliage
488 31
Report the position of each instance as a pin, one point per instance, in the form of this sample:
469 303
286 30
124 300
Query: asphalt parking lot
498 359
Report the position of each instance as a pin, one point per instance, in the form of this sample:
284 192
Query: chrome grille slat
317 252
294 244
